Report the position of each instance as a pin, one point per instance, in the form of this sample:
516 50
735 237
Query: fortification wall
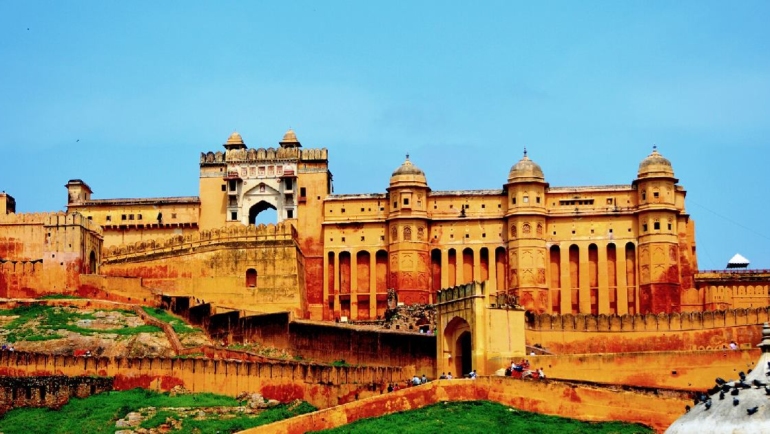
654 408
47 391
120 289
684 370
315 340
253 268
45 253
582 334
321 385
22 236
329 343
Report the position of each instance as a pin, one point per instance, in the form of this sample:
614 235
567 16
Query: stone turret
659 274
408 234
526 221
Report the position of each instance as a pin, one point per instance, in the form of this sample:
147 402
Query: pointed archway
258 208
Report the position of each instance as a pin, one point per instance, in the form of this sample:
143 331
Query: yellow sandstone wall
213 267
321 385
46 253
584 334
574 400
683 370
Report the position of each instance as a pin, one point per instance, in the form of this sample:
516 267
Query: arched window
408 233
251 278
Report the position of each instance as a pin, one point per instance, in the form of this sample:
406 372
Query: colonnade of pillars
581 279
593 279
452 267
353 282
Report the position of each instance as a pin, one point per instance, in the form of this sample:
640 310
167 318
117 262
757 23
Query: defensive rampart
582 334
314 340
258 268
45 253
684 370
652 407
48 391
321 385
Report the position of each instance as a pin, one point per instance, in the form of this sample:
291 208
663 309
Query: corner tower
407 220
657 213
526 226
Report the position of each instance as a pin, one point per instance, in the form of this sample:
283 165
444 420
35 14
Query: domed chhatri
526 170
408 173
655 165
234 139
290 140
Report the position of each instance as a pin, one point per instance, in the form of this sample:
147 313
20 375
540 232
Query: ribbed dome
408 173
526 170
289 140
655 165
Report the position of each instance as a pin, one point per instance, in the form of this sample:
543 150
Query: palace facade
614 249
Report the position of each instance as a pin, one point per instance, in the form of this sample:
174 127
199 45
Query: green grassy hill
480 417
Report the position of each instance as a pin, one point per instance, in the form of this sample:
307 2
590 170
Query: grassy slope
98 414
56 318
480 417
179 326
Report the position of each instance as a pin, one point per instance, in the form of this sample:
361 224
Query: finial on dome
525 151
407 155
654 148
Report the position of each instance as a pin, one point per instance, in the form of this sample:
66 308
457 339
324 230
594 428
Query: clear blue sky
125 95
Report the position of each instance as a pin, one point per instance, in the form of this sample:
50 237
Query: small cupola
655 165
290 140
408 175
235 141
526 170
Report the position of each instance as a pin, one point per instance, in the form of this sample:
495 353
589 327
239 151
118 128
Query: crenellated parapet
461 292
662 322
50 219
243 233
263 155
72 219
28 218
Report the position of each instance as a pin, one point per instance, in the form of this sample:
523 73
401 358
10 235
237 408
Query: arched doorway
92 263
256 215
458 347
463 362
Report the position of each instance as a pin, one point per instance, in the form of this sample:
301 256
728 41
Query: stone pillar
444 268
566 283
325 300
459 265
603 280
354 285
584 279
620 264
373 285
492 266
477 265
337 308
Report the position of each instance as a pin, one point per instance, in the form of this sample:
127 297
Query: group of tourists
414 381
523 370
